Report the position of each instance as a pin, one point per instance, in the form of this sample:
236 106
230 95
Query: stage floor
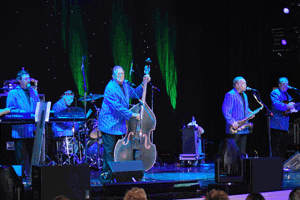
175 182
203 175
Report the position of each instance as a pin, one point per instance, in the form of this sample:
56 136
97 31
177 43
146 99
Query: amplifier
191 141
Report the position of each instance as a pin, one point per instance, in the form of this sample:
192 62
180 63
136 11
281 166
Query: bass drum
94 159
65 145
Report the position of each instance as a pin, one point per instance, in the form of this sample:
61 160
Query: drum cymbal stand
98 136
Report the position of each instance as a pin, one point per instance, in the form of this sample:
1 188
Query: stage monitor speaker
72 181
11 184
293 162
263 174
127 171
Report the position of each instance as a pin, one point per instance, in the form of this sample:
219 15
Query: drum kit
83 144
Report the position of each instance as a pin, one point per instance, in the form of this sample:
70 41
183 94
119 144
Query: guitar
290 111
4 111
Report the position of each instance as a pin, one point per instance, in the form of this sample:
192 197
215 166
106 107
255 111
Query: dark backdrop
215 42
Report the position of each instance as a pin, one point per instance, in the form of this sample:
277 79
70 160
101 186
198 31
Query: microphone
292 88
248 88
131 68
131 84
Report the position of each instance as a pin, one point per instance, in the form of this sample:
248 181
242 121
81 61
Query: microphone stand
84 104
269 115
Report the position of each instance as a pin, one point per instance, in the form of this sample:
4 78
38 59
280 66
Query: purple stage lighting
286 11
283 42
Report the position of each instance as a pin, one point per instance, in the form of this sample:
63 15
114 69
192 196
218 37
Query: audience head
295 194
255 196
135 194
216 195
61 197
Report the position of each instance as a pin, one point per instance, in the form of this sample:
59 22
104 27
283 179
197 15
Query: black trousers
240 141
109 143
280 139
23 153
230 151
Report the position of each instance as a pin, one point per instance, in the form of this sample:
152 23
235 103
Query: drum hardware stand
98 136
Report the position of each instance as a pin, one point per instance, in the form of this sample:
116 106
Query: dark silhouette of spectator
295 194
135 194
255 196
216 195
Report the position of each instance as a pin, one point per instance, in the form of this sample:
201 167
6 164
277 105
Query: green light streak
165 37
74 42
121 38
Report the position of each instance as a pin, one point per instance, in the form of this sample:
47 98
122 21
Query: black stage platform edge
154 189
231 188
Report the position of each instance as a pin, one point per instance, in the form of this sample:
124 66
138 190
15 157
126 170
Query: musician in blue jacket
279 122
235 108
114 113
23 99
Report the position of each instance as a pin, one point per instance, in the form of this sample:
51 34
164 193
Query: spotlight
286 10
283 42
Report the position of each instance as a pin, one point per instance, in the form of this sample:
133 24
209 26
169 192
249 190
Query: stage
171 181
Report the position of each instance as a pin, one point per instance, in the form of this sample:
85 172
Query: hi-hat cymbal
91 97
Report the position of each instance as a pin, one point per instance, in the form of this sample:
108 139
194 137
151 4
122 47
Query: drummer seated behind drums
63 131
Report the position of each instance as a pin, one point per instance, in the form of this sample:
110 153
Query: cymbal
91 97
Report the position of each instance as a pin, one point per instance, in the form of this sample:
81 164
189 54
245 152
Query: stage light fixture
286 10
283 42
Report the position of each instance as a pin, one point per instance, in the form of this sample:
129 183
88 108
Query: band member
235 107
63 132
279 123
63 128
114 113
23 99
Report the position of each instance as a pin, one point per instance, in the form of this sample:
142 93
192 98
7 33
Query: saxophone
242 123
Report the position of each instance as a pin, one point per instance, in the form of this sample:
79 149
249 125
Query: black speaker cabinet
263 174
11 184
72 181
191 144
127 171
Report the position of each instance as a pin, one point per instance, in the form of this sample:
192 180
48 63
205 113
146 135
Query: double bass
136 144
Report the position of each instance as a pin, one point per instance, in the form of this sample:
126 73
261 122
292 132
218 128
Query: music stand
42 112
